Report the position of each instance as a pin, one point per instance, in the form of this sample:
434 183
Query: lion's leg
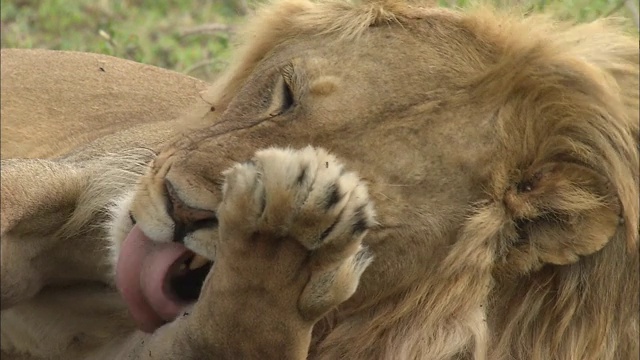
38 197
291 226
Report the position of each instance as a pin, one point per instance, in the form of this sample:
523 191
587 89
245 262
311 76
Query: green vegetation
190 36
162 33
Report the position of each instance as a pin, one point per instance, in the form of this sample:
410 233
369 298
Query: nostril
186 219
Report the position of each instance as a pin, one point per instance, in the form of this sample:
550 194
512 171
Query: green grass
147 31
156 32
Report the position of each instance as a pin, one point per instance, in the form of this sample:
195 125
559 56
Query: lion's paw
304 213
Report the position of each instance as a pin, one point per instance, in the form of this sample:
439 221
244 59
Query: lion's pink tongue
141 272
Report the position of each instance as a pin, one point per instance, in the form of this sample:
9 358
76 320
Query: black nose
187 219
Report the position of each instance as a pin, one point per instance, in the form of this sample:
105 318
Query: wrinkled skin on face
499 156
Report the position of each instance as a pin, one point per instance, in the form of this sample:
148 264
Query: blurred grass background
189 36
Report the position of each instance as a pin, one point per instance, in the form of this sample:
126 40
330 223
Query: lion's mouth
158 281
186 281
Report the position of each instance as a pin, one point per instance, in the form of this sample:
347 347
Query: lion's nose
187 219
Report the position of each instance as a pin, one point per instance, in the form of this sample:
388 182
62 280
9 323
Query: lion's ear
560 211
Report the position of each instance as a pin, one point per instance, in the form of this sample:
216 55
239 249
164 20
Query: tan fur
500 153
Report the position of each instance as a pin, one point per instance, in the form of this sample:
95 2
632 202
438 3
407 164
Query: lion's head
502 154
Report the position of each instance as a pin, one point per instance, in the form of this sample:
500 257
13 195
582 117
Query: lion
367 180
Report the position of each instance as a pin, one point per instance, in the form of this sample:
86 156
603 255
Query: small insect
101 64
326 164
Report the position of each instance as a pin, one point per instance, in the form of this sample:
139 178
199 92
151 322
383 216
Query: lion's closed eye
282 98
